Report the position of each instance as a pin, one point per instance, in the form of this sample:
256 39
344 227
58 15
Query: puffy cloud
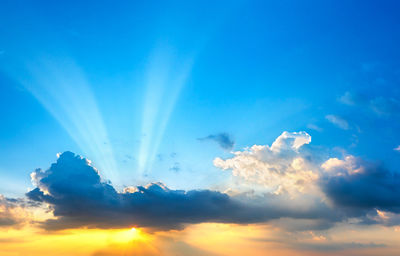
224 140
338 121
354 188
354 183
280 167
78 197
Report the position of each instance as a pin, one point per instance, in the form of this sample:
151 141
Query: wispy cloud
338 121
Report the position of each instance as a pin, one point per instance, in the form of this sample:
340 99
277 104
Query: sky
199 128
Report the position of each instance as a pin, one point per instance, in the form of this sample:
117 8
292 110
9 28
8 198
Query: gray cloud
79 198
361 185
10 212
224 140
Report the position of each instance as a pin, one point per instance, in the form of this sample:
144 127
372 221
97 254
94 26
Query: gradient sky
270 125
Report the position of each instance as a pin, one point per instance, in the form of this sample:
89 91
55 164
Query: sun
125 236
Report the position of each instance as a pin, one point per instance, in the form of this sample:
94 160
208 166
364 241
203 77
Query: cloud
348 99
338 121
300 192
12 212
351 186
281 167
333 247
397 148
354 183
224 140
78 197
314 127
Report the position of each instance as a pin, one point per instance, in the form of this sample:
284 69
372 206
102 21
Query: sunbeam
61 87
166 77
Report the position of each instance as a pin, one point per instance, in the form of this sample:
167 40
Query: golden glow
201 239
125 236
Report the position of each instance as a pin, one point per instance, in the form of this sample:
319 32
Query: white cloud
280 167
349 165
338 121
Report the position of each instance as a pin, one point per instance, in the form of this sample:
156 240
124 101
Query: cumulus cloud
281 167
300 188
224 140
338 121
354 183
78 197
354 188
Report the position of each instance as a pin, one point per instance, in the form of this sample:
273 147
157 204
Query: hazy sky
211 127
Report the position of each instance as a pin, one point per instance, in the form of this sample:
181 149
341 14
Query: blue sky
199 127
142 82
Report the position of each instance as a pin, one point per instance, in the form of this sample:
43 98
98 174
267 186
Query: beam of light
165 80
61 87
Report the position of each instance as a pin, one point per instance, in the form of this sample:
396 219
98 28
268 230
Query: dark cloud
78 197
224 140
368 187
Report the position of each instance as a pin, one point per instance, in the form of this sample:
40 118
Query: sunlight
126 236
165 79
61 87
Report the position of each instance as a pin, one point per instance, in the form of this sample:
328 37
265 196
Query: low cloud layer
224 140
79 198
11 212
73 188
300 187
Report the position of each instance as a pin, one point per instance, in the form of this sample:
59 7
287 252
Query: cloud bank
299 188
78 197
